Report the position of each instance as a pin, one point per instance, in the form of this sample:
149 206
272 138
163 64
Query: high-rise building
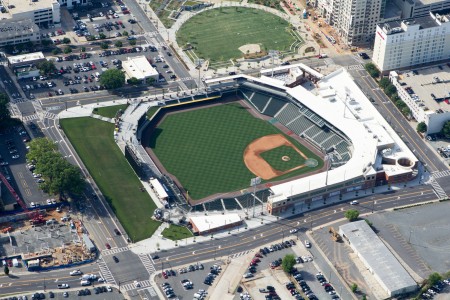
412 42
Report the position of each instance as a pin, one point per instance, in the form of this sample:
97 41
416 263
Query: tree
354 287
288 262
4 111
66 40
56 51
132 42
125 33
352 214
46 43
434 278
46 67
390 90
384 82
372 69
133 81
61 177
67 50
102 36
104 46
83 49
446 130
118 44
112 78
406 111
6 270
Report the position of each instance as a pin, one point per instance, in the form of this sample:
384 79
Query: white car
100 279
293 230
108 288
137 284
354 202
307 244
49 201
63 286
75 273
247 275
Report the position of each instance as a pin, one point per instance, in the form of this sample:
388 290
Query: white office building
420 8
139 68
16 32
412 42
42 12
426 92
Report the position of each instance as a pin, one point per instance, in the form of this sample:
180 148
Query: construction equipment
334 235
35 217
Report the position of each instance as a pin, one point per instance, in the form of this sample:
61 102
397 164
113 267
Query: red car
164 274
256 260
258 255
108 246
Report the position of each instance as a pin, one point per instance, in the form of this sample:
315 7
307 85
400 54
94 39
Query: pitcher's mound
251 48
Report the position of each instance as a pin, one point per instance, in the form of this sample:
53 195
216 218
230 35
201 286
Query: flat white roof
205 223
25 57
21 6
159 189
139 67
14 28
340 102
377 257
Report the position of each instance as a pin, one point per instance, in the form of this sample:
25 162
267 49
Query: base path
260 167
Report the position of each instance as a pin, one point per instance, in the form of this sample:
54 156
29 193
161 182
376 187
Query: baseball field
218 149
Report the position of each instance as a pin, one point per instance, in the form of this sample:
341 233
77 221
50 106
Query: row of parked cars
436 289
168 290
213 272
191 268
276 247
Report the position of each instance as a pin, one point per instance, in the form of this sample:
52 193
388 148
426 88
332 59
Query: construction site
42 237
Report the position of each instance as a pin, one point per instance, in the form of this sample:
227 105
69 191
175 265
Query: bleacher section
313 117
231 204
333 140
214 205
274 106
342 147
300 125
312 131
287 114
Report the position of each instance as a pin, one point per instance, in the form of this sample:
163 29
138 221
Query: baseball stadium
291 136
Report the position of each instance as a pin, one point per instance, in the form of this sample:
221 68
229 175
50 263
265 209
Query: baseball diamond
209 149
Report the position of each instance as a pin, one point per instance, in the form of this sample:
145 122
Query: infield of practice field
218 33
204 148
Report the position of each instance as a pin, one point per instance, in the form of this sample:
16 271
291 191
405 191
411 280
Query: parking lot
13 162
88 293
80 73
196 277
269 273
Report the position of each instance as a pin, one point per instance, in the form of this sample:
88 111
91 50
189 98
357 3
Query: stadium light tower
254 182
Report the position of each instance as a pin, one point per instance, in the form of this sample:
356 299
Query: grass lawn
151 111
218 33
175 232
204 148
273 157
109 111
94 143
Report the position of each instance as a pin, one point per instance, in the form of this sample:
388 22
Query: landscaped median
93 140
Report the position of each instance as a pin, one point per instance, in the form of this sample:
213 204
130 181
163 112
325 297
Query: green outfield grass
217 34
204 148
273 157
94 143
175 232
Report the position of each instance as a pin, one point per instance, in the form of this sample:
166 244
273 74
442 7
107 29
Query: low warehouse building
208 224
381 263
139 68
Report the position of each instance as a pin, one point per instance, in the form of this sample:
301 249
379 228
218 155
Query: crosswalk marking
236 255
49 115
147 263
131 286
355 67
438 189
30 117
114 251
441 174
105 272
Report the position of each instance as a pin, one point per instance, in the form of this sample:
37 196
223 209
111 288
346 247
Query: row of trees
61 177
391 91
5 115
